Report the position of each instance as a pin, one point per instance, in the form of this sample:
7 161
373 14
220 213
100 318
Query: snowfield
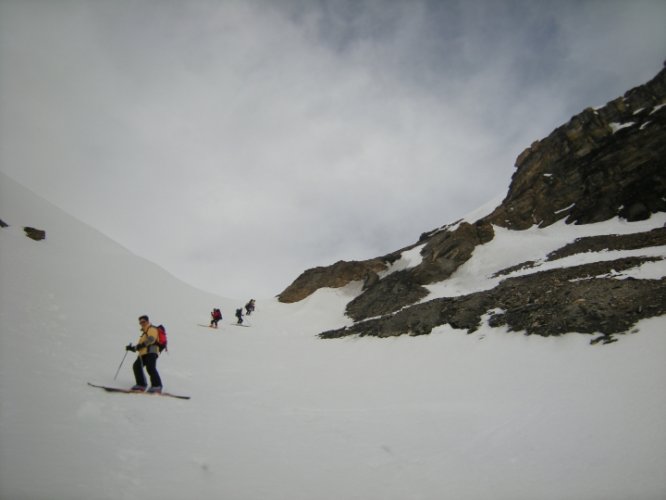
277 413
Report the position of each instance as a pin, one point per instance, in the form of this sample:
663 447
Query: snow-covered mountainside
596 279
576 245
277 413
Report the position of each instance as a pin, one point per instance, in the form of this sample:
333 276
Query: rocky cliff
604 163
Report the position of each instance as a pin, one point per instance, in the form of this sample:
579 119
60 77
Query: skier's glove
140 346
130 347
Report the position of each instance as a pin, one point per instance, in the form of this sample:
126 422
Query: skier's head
143 320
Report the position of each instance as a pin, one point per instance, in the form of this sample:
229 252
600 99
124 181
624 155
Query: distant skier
249 307
148 352
239 315
216 316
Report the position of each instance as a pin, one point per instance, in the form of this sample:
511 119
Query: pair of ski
130 391
232 324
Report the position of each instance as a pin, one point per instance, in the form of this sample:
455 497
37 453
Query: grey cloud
282 135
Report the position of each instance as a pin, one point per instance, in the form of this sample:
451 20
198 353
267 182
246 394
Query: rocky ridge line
603 163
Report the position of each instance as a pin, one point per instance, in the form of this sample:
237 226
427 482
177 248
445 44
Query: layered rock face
603 163
338 275
443 253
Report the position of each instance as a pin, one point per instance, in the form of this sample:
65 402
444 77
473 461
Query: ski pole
121 364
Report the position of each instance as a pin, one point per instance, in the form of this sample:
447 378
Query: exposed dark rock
386 296
575 299
656 237
338 275
603 163
446 251
35 234
633 241
3 223
442 255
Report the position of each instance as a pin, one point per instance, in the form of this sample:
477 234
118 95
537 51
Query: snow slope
278 414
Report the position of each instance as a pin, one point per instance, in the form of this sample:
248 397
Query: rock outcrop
443 253
603 163
35 234
545 303
338 275
30 232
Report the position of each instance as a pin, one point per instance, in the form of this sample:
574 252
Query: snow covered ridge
559 224
570 176
598 279
475 265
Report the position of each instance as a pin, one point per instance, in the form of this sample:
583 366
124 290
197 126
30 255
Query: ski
208 326
129 391
236 324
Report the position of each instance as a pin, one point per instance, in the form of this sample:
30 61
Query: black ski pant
150 362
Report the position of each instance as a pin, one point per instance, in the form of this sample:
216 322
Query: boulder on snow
35 234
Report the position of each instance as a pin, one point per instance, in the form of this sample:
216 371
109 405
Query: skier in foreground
148 352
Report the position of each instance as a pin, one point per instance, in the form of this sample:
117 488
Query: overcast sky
238 143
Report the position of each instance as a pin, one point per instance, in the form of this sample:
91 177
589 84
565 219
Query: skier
239 315
217 316
249 307
148 352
